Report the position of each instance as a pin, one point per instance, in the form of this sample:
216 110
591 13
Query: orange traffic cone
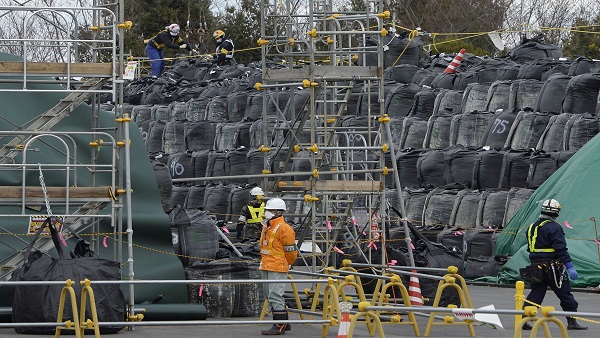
414 291
345 322
456 62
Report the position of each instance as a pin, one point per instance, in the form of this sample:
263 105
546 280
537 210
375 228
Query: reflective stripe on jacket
532 234
277 246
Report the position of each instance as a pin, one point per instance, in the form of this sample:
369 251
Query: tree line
444 26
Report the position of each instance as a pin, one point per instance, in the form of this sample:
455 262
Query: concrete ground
481 295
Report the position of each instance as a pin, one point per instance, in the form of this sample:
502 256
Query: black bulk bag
39 303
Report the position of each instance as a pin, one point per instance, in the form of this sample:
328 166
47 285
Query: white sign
130 70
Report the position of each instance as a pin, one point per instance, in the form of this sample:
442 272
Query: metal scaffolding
311 46
83 191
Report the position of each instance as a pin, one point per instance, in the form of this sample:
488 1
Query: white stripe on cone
414 291
455 62
344 325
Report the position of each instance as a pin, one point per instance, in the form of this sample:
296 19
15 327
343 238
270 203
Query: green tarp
153 254
576 185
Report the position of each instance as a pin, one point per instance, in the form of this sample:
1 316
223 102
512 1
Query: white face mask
269 215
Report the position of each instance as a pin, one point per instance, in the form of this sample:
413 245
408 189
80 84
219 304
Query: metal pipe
418 268
295 173
187 281
360 274
416 274
179 322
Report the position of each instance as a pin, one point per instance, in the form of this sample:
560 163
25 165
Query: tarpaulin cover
575 185
153 252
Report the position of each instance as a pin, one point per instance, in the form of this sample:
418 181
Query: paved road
501 297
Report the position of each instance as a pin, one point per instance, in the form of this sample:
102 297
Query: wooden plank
332 185
327 72
57 69
55 192
341 185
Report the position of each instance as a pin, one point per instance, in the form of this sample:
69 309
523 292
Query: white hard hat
257 191
173 29
551 206
275 204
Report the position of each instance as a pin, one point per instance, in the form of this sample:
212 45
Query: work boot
527 327
288 327
277 329
573 325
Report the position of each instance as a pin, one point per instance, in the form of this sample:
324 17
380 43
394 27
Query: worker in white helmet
277 252
551 265
249 224
167 38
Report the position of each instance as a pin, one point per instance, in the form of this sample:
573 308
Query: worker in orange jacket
278 251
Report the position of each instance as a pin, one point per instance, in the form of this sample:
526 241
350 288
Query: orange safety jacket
277 246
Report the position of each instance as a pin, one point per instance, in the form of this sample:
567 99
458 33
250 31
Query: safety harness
256 213
532 233
228 53
555 269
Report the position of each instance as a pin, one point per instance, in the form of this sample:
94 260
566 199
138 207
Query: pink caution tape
354 221
393 262
329 225
200 290
338 250
568 225
372 244
597 241
104 242
63 240
225 229
412 246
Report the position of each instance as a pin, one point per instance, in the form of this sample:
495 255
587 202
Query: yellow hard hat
218 34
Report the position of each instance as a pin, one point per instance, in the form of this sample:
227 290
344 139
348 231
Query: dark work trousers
538 291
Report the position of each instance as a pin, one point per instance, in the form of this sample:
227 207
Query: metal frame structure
109 181
346 187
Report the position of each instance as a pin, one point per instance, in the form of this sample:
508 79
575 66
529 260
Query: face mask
269 215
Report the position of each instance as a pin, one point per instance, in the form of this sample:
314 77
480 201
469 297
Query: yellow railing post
68 325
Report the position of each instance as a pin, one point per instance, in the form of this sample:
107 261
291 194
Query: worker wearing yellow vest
278 251
547 249
251 216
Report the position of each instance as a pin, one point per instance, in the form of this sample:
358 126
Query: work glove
571 270
184 46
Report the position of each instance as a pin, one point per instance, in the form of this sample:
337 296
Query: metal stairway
50 118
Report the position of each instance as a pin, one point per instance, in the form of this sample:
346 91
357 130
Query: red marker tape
597 241
63 240
412 246
393 262
329 225
354 221
200 290
338 250
104 242
225 229
568 225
